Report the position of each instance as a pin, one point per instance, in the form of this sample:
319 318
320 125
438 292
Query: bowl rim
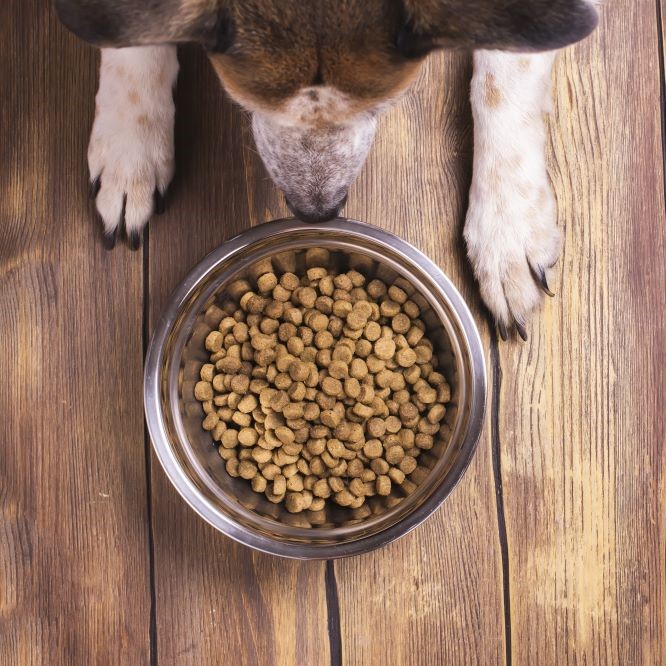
190 493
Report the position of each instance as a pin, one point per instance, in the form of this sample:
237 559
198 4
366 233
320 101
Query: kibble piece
247 469
232 467
203 391
407 464
384 348
358 369
376 289
373 448
344 498
364 411
397 294
436 413
331 386
406 357
338 369
247 436
259 483
383 485
376 427
336 484
379 466
394 455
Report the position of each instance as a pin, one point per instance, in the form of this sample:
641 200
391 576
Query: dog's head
316 74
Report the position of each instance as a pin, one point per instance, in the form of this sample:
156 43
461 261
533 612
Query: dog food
321 386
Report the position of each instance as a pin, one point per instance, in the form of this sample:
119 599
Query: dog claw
522 331
109 239
502 331
95 186
160 205
134 240
539 275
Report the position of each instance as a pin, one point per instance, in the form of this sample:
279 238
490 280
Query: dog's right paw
131 150
131 162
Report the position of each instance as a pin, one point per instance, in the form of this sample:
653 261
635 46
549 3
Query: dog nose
315 217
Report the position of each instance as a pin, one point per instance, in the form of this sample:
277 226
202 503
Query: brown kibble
203 391
232 467
389 308
307 367
379 466
358 369
407 465
376 289
383 485
247 436
338 369
284 434
376 427
343 498
364 411
384 348
331 386
247 470
394 455
323 340
319 322
306 296
397 294
373 448
427 395
436 413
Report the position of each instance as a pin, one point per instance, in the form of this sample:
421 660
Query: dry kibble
384 348
322 386
407 465
394 455
383 485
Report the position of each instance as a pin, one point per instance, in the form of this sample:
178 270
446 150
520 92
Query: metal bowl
187 452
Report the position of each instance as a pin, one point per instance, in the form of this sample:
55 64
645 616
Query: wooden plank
74 570
582 405
435 596
218 601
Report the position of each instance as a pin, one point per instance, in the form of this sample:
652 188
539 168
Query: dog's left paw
512 240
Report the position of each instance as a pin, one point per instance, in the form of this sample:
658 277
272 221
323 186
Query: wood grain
581 407
73 541
218 601
434 597
575 433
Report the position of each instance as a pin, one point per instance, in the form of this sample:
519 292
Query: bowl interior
231 504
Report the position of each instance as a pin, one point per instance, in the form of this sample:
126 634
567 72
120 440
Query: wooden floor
550 551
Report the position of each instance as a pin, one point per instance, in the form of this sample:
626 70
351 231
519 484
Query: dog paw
131 163
512 240
131 150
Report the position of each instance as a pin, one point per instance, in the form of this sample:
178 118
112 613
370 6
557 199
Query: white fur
511 221
132 145
314 106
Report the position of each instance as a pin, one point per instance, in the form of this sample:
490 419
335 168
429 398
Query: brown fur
265 51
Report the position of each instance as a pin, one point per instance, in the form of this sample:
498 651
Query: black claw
134 240
159 205
109 239
95 186
502 331
539 274
522 332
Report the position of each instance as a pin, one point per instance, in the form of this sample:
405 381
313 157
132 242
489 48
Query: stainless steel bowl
187 453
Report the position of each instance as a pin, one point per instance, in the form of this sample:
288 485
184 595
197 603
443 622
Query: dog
314 76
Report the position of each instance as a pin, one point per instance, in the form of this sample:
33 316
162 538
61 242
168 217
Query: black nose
323 216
